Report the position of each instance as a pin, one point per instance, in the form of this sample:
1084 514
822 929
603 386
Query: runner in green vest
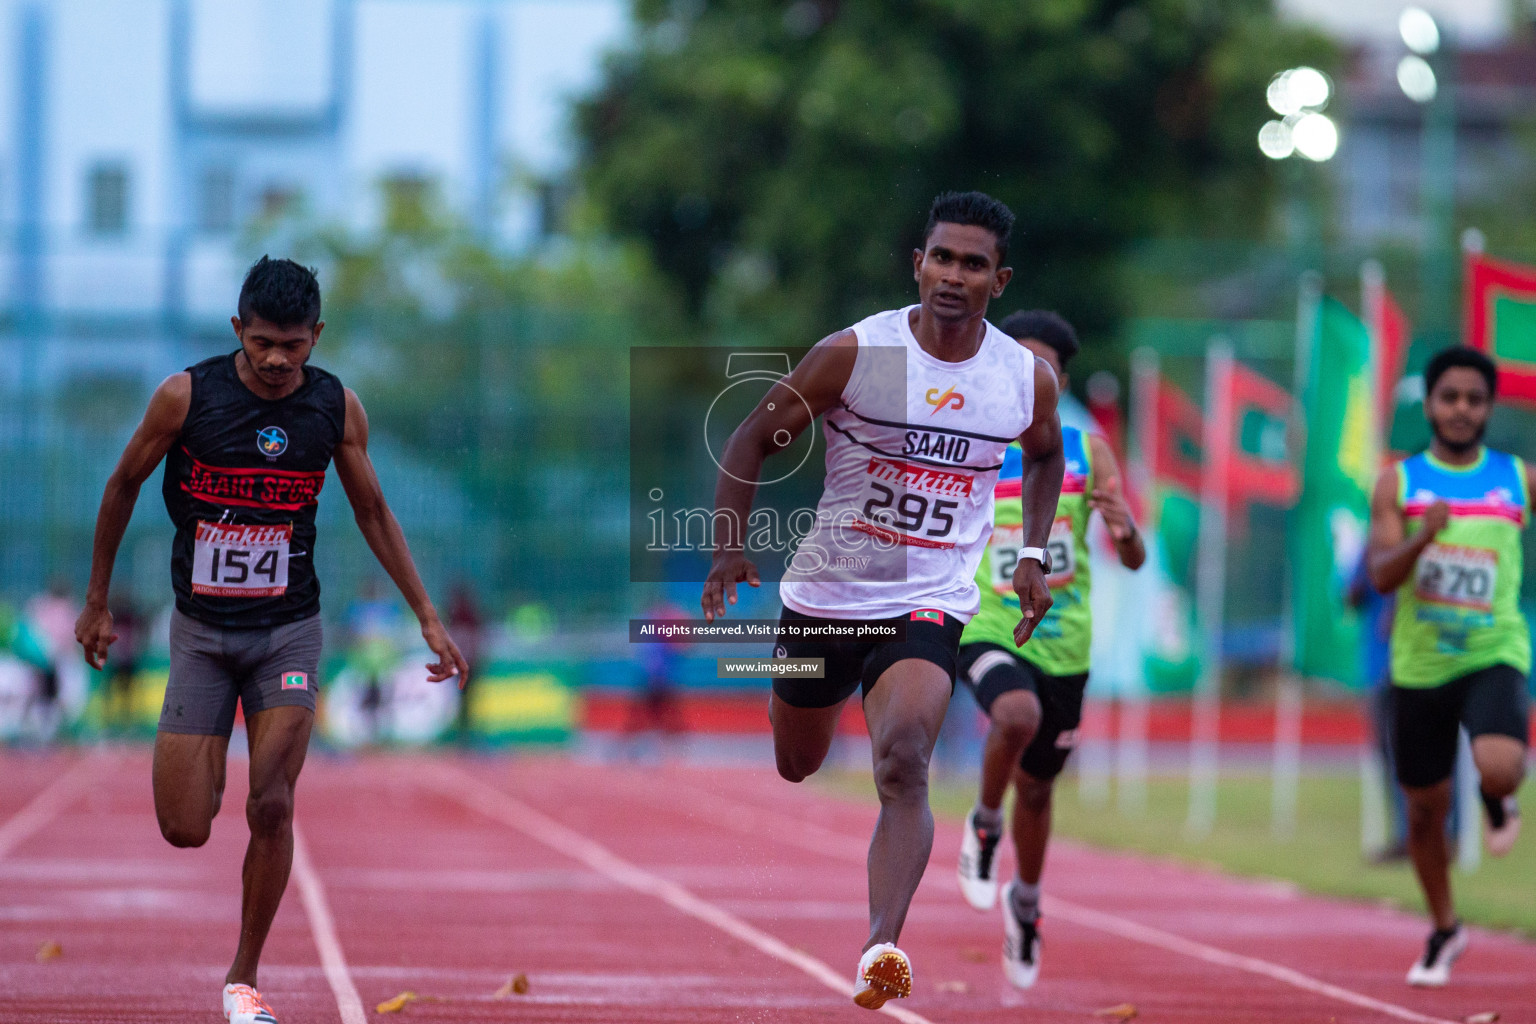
1445 535
1034 696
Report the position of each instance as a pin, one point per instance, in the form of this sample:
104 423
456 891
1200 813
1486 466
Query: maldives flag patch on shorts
932 615
295 681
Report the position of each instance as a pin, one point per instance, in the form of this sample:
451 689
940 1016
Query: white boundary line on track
510 811
43 807
1126 929
323 926
819 839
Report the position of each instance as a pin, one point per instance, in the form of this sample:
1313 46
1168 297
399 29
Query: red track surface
636 894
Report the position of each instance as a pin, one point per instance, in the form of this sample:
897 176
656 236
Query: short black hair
280 292
1045 326
976 208
1460 355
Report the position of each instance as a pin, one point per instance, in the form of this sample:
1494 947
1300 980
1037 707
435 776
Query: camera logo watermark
685 406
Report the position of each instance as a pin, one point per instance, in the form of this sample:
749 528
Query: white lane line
42 808
507 809
323 926
760 821
1126 929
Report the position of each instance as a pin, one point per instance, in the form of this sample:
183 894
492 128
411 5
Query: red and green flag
1178 434
1260 469
1390 335
1500 319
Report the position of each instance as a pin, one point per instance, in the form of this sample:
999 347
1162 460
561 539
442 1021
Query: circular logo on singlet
272 441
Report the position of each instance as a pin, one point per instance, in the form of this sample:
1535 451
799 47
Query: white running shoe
976 871
1021 945
1502 839
244 1005
1442 949
884 973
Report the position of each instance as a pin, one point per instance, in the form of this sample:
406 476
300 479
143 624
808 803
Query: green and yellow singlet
1060 644
1459 611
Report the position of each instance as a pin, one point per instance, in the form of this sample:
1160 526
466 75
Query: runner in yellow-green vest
1445 536
1034 695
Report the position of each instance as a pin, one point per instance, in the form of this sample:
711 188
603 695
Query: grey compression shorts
212 667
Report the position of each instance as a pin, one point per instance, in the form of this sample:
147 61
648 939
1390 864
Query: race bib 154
230 560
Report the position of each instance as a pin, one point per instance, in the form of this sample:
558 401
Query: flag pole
1374 795
1285 770
1210 588
1131 735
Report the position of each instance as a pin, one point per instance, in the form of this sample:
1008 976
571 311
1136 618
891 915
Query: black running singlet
241 486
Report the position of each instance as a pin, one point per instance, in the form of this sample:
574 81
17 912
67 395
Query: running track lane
147 930
632 894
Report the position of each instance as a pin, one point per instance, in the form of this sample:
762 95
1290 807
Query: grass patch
1323 856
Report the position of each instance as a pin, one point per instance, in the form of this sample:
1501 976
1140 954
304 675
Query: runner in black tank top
241 485
249 437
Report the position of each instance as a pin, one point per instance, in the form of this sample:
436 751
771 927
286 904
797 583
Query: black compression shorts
990 670
851 663
1490 701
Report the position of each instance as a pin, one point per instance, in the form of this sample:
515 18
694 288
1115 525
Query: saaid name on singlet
942 447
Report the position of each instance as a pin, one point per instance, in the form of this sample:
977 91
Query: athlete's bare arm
1391 553
820 380
153 437
1044 464
1108 498
382 531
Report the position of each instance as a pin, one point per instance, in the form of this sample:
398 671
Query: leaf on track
1124 1011
517 984
49 950
1483 1018
396 1004
976 956
959 987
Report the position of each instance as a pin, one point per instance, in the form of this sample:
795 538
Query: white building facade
138 137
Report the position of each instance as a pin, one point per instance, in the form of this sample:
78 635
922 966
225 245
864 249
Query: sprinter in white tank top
912 456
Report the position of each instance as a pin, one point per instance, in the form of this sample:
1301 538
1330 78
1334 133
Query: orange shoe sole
889 977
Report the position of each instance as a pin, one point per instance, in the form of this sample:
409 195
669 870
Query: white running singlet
913 451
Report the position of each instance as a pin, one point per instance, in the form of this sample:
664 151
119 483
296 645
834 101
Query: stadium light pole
1298 96
1426 76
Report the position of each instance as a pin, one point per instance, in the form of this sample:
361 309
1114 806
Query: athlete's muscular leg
1427 808
1031 823
279 739
905 709
801 736
1501 763
1015 718
188 779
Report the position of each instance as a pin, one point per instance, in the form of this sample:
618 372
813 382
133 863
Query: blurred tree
507 371
778 158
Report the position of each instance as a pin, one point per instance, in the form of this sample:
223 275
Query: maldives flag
1390 334
1260 469
1178 428
1500 319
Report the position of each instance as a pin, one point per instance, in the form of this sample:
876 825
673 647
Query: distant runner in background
1445 535
1034 695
